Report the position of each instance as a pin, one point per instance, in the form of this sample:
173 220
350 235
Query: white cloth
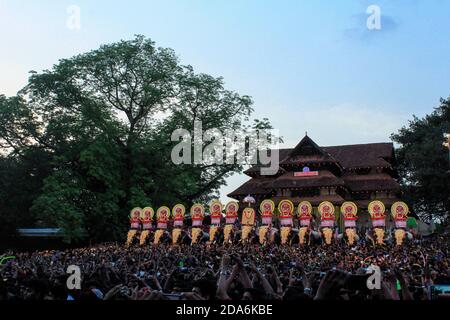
266 220
197 223
305 223
230 220
135 225
147 226
327 224
178 223
286 222
350 224
400 224
378 223
162 225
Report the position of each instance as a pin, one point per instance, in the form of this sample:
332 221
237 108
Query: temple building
359 173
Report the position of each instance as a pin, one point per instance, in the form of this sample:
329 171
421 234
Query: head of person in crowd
238 271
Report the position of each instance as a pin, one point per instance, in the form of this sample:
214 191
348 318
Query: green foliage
20 182
95 131
424 163
411 222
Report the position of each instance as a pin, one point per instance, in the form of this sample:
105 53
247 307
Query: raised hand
113 292
404 283
389 287
306 279
191 296
134 294
331 284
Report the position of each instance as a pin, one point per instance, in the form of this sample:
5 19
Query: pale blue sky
309 65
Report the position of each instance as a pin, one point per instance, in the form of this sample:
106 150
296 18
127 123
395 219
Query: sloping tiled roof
307 152
253 186
363 155
283 154
388 202
315 201
349 157
370 182
372 185
324 179
308 159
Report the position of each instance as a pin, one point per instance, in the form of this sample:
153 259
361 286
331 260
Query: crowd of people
230 272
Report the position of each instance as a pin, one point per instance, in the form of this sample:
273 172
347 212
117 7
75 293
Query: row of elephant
264 235
286 209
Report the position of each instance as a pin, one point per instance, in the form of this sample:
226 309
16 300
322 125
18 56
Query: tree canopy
88 140
423 163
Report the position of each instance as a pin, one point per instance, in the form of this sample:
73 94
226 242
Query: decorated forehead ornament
350 212
178 210
304 213
399 209
135 219
248 216
305 209
326 209
136 213
267 206
232 207
349 209
148 212
248 221
249 211
178 213
231 216
216 207
376 208
286 207
163 212
197 210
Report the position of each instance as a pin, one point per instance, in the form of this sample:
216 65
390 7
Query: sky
310 65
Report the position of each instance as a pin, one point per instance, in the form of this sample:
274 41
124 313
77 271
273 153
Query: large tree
101 123
424 163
